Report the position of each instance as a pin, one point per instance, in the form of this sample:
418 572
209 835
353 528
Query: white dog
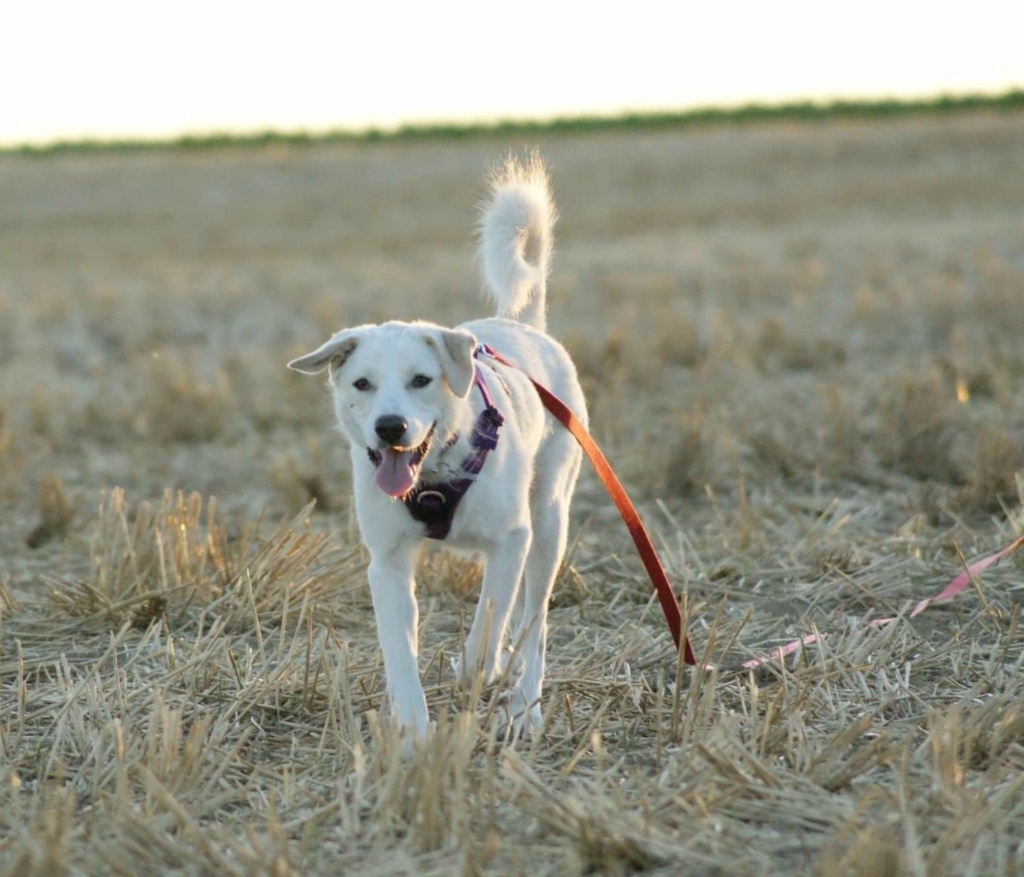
449 444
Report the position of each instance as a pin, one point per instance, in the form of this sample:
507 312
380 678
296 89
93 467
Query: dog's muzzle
397 467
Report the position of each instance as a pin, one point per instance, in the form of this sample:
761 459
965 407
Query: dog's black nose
390 428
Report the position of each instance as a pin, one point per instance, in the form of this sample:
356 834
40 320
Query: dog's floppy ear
455 350
333 352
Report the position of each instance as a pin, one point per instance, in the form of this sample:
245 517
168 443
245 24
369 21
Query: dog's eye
420 381
362 385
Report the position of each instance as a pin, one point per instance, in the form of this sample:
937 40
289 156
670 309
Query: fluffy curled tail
516 239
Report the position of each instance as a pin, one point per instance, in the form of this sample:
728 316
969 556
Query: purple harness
434 504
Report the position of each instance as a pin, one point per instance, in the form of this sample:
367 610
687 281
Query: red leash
644 546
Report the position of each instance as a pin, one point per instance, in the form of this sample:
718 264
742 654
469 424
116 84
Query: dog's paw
411 718
520 718
394 736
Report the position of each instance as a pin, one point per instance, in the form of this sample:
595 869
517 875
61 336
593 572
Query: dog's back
516 239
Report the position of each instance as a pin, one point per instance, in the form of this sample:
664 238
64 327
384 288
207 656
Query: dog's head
396 390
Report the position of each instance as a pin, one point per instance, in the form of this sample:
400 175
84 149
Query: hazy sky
111 68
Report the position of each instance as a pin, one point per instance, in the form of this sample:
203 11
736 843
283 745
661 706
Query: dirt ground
801 344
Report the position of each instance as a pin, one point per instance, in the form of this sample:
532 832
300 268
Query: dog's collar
434 504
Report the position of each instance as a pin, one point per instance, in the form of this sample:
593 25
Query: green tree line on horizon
1008 101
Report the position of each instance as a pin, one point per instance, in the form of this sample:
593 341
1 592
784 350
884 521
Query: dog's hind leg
503 570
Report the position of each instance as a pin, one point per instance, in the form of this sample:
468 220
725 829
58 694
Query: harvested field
802 344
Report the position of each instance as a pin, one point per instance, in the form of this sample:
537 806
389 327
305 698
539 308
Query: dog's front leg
393 588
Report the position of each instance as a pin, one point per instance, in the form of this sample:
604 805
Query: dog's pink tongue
394 474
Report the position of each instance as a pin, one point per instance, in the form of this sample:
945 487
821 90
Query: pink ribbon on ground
958 583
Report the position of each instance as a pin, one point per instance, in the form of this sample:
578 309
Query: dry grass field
802 344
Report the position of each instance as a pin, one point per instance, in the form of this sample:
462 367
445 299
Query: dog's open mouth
397 468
